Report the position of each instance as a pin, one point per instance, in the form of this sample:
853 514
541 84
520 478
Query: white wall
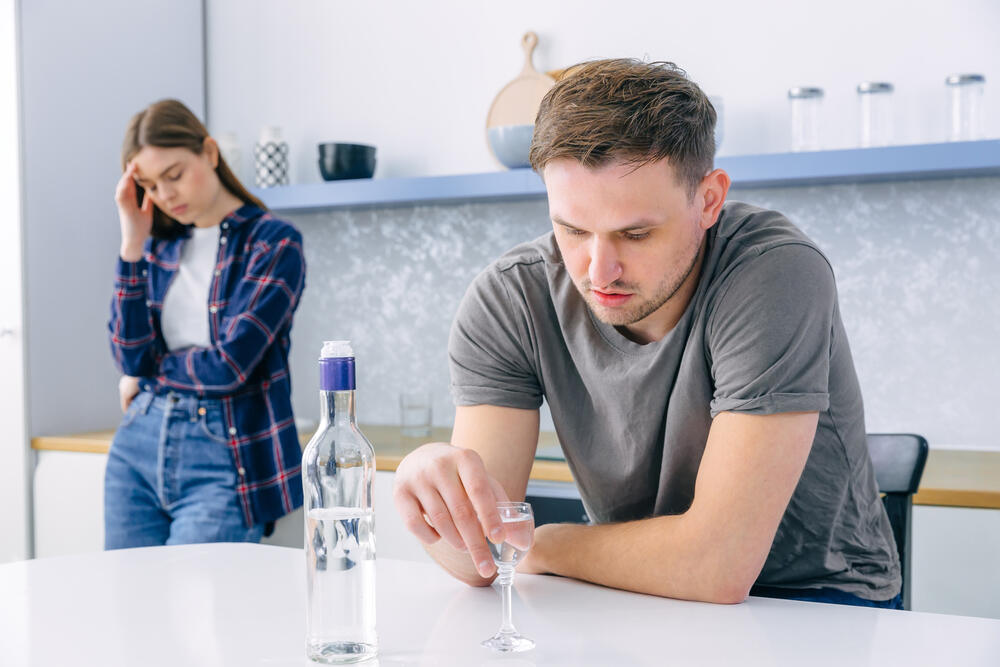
417 78
15 541
86 68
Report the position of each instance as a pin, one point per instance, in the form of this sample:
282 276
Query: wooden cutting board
517 103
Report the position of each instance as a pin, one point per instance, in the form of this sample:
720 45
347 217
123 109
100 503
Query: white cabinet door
956 561
69 503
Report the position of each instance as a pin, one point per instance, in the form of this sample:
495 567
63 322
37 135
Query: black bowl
338 161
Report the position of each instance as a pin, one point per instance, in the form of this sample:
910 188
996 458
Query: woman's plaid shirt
259 276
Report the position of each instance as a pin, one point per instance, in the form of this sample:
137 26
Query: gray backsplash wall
916 264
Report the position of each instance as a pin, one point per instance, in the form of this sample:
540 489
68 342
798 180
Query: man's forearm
659 556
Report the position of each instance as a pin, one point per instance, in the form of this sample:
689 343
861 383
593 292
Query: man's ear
713 189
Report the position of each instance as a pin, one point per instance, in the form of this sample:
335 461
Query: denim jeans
829 595
171 478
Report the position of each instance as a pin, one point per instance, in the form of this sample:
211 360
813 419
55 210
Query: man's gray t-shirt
761 335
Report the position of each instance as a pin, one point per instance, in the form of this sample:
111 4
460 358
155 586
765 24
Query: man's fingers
413 518
498 491
449 488
467 521
479 487
440 519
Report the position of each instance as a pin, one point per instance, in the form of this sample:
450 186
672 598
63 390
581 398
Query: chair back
899 460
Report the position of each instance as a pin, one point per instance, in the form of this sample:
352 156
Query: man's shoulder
525 263
758 249
530 256
758 229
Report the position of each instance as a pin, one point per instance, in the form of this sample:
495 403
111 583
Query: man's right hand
444 492
136 220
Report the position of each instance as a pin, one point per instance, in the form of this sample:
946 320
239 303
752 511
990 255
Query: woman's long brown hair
170 124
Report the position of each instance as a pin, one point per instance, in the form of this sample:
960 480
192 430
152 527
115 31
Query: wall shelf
855 165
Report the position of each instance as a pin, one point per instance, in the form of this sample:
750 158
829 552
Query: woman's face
183 184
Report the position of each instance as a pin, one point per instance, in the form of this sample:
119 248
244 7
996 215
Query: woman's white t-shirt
184 320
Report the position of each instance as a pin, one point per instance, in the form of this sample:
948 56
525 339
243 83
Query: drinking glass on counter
519 527
415 413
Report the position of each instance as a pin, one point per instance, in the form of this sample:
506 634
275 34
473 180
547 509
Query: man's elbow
726 584
728 592
729 575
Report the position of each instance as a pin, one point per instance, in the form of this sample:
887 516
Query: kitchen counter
952 477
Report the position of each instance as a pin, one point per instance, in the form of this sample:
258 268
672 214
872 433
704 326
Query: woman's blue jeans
171 478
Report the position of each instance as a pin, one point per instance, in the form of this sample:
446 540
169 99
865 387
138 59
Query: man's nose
605 267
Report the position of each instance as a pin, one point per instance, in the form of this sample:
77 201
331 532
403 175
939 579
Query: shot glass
415 413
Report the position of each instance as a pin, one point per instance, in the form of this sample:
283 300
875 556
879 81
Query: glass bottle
966 101
805 109
875 107
338 469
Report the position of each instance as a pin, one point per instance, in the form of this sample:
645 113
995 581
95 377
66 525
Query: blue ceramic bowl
511 144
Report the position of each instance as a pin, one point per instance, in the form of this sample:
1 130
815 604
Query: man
693 358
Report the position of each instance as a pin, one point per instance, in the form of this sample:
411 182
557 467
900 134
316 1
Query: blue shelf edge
502 185
865 165
854 165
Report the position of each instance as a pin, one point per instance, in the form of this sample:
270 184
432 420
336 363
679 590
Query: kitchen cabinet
956 560
69 510
69 506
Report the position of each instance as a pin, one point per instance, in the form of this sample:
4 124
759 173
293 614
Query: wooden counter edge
553 471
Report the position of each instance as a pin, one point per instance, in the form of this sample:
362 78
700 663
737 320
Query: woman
206 287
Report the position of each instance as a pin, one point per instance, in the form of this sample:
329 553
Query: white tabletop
241 604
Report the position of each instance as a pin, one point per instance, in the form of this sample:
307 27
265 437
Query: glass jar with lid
965 92
805 104
875 113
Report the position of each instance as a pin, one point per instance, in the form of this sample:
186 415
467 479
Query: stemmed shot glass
519 525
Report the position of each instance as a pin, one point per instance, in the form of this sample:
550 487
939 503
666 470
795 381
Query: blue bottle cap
336 374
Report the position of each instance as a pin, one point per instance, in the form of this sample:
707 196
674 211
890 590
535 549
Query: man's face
630 239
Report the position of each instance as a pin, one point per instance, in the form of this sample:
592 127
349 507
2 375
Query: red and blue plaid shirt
258 281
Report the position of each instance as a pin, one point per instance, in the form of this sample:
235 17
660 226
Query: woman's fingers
125 193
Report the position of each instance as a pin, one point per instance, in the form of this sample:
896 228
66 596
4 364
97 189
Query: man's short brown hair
627 111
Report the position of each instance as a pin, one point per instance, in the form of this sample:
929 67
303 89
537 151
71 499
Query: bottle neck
336 407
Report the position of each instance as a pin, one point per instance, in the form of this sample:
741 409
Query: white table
239 604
